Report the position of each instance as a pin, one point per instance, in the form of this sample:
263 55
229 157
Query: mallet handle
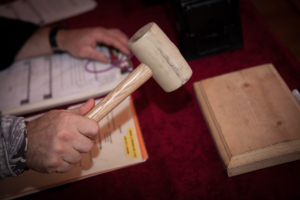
132 82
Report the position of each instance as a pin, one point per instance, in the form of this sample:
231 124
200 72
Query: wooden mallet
159 58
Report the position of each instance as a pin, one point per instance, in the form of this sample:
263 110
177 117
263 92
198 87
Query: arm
54 141
13 144
79 43
36 45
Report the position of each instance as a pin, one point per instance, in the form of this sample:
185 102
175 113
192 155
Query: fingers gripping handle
132 82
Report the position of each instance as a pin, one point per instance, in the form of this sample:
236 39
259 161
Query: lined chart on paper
52 77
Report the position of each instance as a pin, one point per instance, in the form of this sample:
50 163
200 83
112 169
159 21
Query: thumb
83 109
96 55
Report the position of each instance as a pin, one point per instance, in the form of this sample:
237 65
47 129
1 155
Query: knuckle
65 137
54 163
58 149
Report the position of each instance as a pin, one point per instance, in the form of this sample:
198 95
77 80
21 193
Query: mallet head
153 48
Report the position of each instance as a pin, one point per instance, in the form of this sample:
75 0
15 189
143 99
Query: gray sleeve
13 146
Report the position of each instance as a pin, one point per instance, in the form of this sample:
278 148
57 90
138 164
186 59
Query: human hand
56 139
81 43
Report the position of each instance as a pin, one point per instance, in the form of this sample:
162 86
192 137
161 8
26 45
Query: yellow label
130 144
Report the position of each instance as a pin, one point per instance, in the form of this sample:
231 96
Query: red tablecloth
183 161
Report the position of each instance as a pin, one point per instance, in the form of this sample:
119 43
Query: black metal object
208 27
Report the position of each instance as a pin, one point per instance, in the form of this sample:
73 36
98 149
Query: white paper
45 80
45 11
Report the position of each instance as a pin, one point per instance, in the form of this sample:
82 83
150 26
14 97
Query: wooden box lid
253 118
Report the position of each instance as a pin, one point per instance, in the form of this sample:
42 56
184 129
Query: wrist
56 38
61 37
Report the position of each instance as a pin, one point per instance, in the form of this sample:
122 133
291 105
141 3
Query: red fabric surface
183 161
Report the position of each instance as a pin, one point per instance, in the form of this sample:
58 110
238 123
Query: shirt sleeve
13 146
13 35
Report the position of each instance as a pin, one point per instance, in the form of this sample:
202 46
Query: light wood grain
253 117
133 81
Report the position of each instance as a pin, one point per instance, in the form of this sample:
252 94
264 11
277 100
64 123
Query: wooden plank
253 118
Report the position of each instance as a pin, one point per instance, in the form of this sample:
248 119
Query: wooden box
253 118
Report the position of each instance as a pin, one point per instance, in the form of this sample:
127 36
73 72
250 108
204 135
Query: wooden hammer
159 58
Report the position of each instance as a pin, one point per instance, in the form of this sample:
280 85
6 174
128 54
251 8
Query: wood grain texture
133 81
253 117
